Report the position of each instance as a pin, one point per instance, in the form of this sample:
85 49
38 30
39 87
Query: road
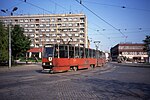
111 82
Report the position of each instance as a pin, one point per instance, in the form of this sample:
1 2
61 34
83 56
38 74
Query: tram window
86 53
98 54
63 53
76 52
71 52
48 52
94 54
90 53
81 52
56 52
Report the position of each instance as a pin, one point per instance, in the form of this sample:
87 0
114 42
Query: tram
63 57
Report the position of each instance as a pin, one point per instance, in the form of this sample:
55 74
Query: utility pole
5 11
97 47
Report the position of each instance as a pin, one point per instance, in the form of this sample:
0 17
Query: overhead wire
100 17
124 7
25 1
58 5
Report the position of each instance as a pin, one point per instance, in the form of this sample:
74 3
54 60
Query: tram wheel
92 66
75 68
51 72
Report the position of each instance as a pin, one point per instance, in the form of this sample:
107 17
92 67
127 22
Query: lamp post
5 11
97 46
148 53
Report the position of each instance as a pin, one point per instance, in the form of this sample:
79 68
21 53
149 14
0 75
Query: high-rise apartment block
52 28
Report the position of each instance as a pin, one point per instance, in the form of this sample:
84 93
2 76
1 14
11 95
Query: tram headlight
50 58
50 63
43 63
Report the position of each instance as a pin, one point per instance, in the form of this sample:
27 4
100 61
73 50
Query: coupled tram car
62 57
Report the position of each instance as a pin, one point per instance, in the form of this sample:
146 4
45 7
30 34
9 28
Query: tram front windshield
48 52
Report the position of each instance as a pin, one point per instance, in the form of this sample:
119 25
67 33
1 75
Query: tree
3 43
147 43
20 43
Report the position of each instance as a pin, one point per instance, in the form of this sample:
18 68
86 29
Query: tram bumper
47 65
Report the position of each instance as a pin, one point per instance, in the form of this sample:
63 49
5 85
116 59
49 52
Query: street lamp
97 46
5 11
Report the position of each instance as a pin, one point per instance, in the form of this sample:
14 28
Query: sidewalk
133 64
21 67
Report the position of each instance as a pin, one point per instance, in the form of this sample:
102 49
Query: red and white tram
62 57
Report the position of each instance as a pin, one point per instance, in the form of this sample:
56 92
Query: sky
113 21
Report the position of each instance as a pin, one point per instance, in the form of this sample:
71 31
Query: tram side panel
61 64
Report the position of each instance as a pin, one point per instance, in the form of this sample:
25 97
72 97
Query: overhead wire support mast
80 2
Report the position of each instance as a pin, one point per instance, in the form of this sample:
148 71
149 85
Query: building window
42 30
53 19
53 35
37 20
76 24
36 30
37 25
41 25
41 35
47 25
47 20
25 30
32 45
75 19
81 41
82 20
21 20
74 39
65 19
65 30
76 34
47 30
70 24
69 19
59 25
26 25
30 30
32 35
47 39
40 45
64 39
82 25
63 24
69 34
53 25
63 34
52 39
58 19
32 25
52 30
37 45
47 35
74 29
42 20
26 20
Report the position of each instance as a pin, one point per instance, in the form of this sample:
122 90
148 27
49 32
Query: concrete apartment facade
45 29
52 28
133 52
